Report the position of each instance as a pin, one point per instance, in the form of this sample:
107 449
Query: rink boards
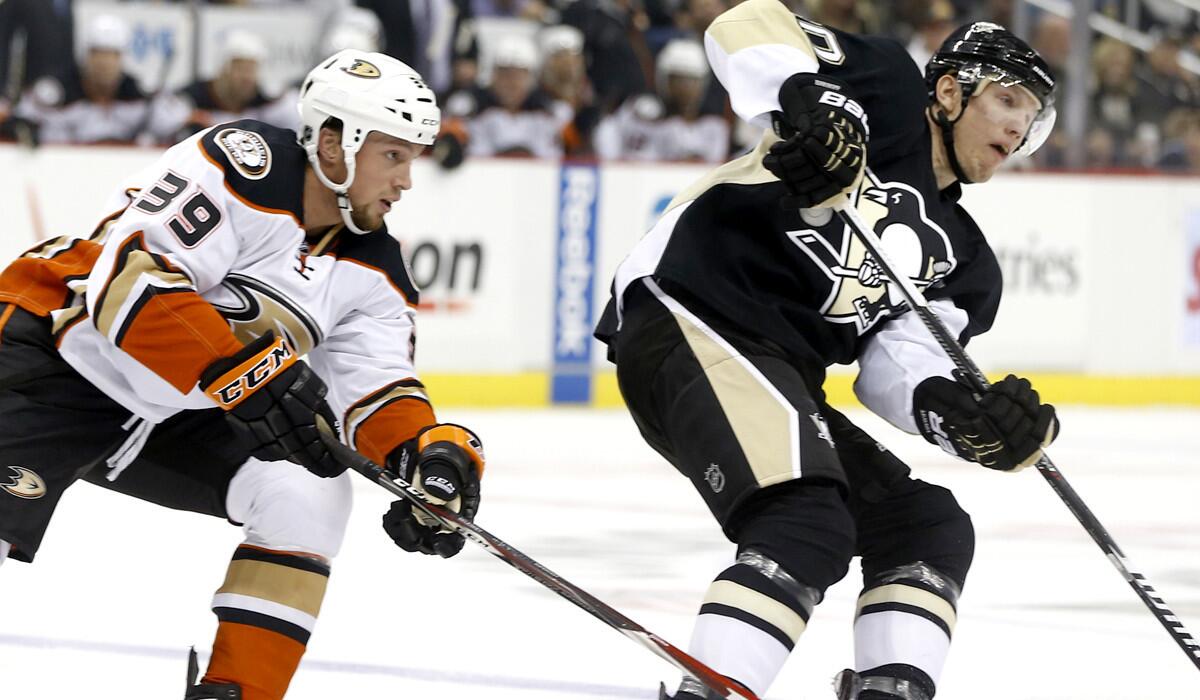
514 257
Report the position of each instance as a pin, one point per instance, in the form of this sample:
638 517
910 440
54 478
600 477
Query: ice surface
121 588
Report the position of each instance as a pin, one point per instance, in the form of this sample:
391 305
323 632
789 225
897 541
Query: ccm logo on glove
242 380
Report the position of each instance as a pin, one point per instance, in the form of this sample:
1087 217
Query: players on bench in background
158 357
727 313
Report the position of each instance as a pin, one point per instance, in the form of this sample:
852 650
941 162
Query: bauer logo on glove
824 131
1005 429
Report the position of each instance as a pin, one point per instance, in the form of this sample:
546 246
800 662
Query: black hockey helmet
985 51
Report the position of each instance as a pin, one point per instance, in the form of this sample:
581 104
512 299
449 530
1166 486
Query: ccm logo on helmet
254 372
362 69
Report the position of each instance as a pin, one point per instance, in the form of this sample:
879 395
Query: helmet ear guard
366 92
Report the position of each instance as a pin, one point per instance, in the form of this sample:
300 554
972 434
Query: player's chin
983 171
368 221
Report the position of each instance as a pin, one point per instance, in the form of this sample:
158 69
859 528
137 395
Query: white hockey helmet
560 37
366 92
108 33
243 44
681 57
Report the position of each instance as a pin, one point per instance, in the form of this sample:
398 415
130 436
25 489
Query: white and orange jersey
204 251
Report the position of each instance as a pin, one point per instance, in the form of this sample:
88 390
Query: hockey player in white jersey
160 356
727 313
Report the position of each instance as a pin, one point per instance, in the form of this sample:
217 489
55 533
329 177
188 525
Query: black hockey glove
445 461
275 403
824 145
1006 429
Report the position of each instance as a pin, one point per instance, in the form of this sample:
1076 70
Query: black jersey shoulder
379 250
263 164
977 284
888 84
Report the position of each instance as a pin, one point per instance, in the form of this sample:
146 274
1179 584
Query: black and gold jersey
802 280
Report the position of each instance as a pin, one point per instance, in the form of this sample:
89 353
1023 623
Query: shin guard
267 608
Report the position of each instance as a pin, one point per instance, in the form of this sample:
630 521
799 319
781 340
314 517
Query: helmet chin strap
341 189
947 128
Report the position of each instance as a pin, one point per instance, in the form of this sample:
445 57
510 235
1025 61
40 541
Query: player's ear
948 94
329 146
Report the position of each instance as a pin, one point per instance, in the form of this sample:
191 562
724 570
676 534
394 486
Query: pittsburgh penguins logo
253 308
362 69
24 483
859 292
248 152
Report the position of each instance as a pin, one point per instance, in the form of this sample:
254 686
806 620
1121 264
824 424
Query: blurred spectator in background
98 103
998 11
1163 85
36 41
1111 107
932 24
1102 149
671 125
564 78
693 19
855 16
694 16
352 28
429 35
618 62
233 93
1181 147
1177 16
1052 39
513 117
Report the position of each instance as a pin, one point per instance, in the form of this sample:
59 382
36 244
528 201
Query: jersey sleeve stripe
759 23
36 281
753 48
130 271
383 420
176 334
149 309
8 312
65 320
101 229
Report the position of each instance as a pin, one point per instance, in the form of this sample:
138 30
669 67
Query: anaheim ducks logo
248 152
252 308
363 69
860 293
24 483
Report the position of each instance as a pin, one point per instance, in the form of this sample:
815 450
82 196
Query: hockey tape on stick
715 682
969 373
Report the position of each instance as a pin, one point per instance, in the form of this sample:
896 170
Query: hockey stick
969 372
523 563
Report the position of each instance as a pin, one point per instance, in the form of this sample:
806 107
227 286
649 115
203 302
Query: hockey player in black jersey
160 356
726 315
